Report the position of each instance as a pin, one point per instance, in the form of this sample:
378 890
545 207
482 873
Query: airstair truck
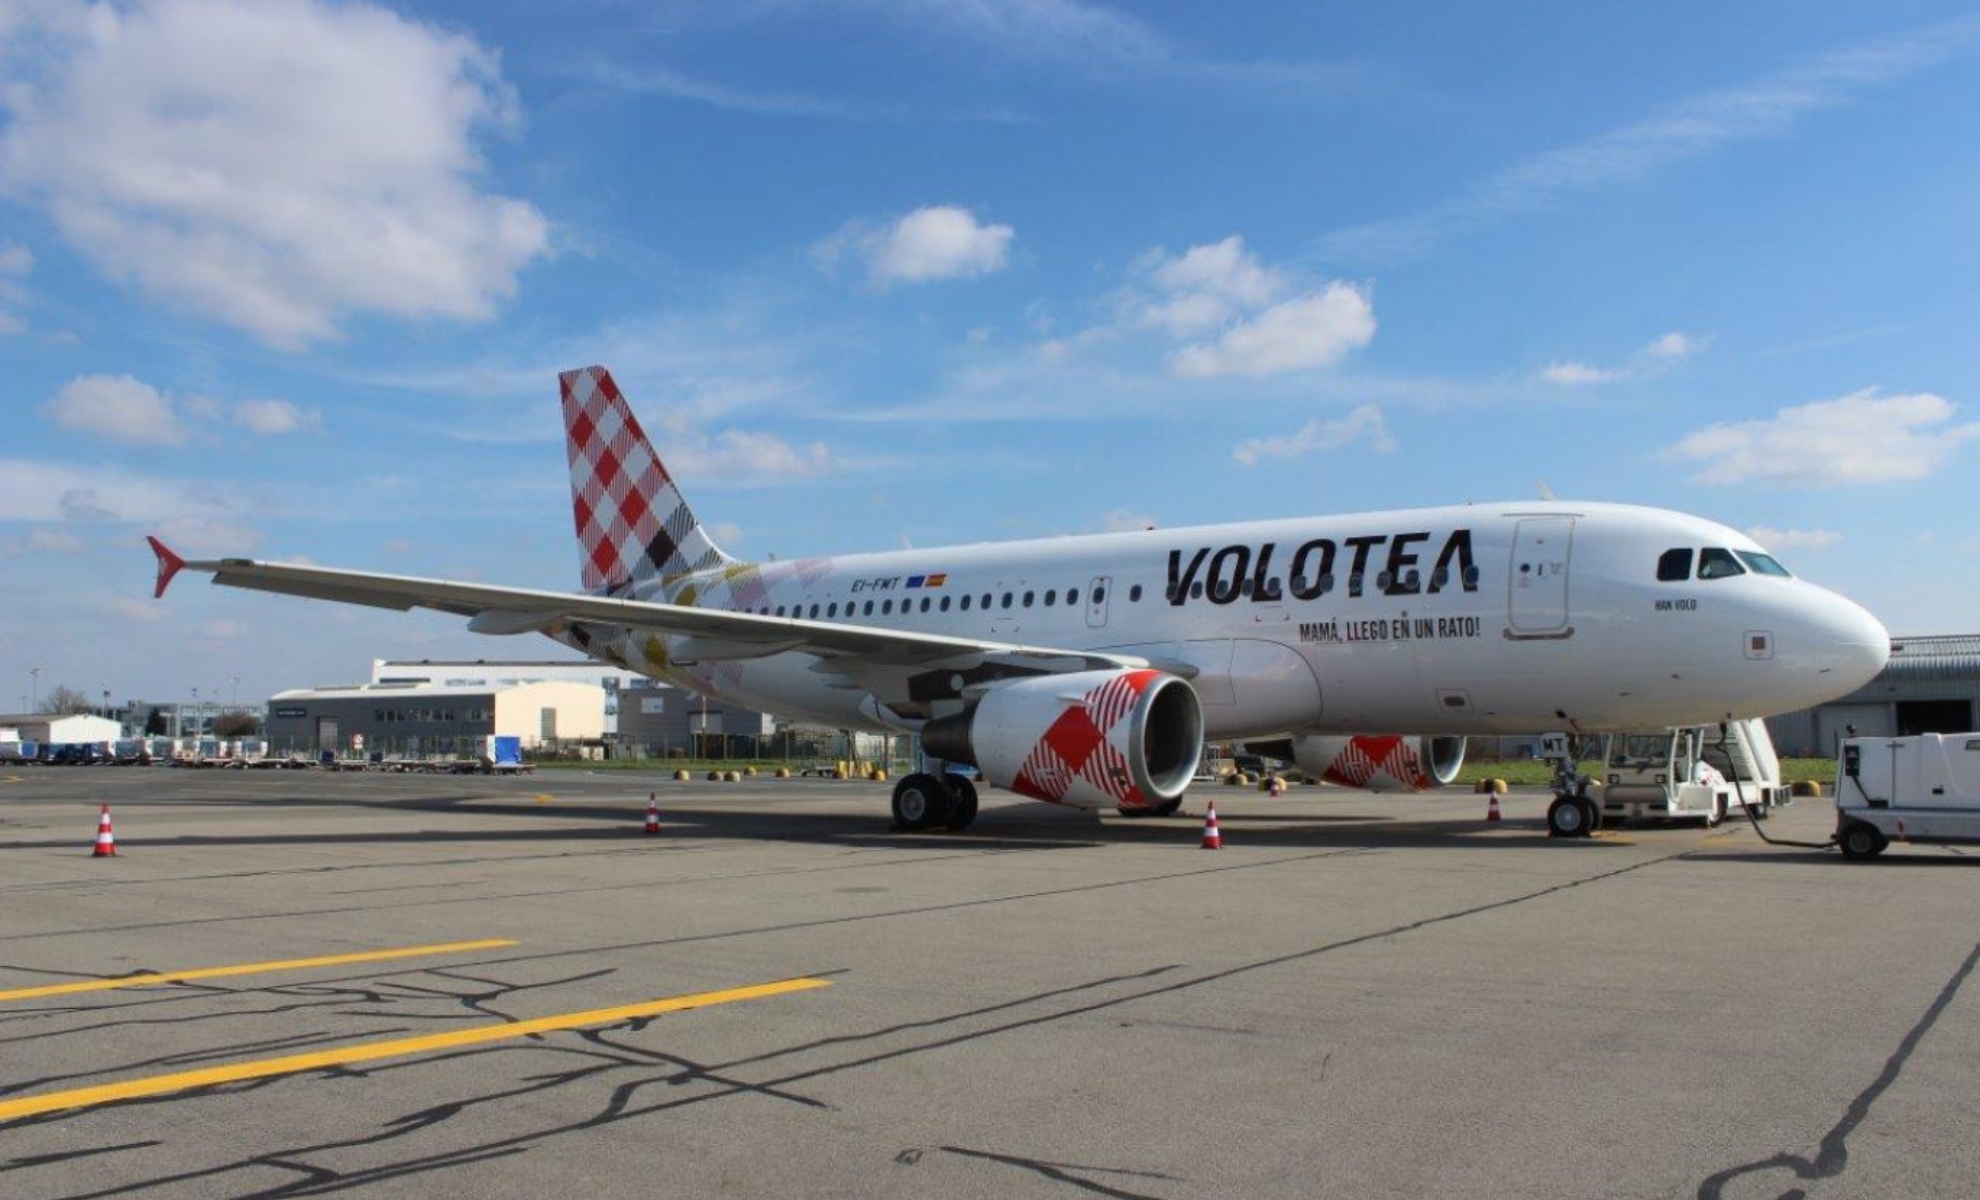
1924 788
1691 773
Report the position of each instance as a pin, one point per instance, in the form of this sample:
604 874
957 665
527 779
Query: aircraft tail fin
633 526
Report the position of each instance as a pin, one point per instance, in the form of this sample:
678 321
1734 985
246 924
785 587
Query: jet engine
1381 762
1092 739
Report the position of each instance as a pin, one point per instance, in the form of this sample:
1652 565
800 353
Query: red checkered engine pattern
632 524
1363 758
1079 751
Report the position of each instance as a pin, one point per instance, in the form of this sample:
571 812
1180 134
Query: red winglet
168 565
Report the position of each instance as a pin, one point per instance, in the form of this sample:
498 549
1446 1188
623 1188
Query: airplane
1089 670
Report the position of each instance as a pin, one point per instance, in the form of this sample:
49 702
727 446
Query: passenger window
1714 563
924 604
1099 595
814 612
886 608
1196 590
1072 595
1134 594
832 610
780 610
1674 566
1028 596
869 608
1051 597
945 603
1007 599
965 604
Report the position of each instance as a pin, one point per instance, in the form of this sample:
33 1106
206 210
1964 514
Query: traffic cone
652 813
1212 839
106 841
1492 809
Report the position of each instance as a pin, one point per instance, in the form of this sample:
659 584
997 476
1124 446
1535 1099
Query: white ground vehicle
1697 772
1924 788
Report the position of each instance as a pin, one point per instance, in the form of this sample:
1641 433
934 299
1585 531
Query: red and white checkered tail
633 526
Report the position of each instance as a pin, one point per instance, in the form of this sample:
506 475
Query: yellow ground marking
292 964
156 1085
544 797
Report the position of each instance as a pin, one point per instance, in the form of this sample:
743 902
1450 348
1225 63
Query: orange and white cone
652 813
106 841
1492 809
1212 839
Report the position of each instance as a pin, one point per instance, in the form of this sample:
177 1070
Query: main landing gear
923 801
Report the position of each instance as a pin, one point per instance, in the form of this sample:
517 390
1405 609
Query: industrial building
657 720
422 720
1930 685
481 672
50 729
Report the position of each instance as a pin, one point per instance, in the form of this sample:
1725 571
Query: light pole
35 674
195 708
235 703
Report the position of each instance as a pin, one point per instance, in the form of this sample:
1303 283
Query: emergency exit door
1537 588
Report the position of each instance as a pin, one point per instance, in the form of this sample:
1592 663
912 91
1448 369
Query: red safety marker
1492 809
652 813
1212 838
106 841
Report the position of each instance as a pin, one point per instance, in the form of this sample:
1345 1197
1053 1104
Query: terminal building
416 720
1930 685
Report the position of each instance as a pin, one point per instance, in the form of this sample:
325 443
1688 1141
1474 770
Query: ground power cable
1739 791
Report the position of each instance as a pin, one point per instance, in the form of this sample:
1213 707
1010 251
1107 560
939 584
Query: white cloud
1364 424
275 417
1794 539
195 534
1858 438
116 407
1656 358
279 165
929 244
1302 334
1577 374
738 457
41 491
1207 286
16 261
42 541
1676 345
1765 107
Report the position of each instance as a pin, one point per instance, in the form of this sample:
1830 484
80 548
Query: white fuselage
1480 619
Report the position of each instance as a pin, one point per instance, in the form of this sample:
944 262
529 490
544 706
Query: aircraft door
1537 586
1096 601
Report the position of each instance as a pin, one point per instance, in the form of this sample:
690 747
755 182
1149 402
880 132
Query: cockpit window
1762 564
1674 566
1714 563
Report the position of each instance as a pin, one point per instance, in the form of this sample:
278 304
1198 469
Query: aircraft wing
702 634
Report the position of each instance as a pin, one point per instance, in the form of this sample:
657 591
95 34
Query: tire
1167 808
1593 811
920 800
1717 816
1567 817
962 802
1861 842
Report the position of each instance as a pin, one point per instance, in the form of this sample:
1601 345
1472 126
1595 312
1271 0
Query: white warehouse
414 719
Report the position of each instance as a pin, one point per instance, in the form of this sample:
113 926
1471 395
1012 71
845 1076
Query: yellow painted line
544 797
157 1085
292 964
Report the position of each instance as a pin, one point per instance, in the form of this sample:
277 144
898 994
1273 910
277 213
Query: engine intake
1092 739
1381 762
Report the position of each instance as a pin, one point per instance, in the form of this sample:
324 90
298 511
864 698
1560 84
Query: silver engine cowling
1381 762
1127 739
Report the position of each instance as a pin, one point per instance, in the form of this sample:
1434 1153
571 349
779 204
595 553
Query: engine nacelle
1093 739
1381 762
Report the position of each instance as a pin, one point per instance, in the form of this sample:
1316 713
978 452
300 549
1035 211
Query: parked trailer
1923 789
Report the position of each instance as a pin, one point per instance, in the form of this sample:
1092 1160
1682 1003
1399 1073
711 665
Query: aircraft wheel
1167 808
920 800
1861 842
1567 817
962 802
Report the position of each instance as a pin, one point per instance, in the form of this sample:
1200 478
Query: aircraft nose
1853 644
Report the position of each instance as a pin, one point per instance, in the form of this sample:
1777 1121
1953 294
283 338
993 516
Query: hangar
52 729
418 719
1930 685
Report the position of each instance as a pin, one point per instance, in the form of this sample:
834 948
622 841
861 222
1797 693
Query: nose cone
1850 644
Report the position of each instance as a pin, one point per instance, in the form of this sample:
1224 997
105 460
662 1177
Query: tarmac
293 983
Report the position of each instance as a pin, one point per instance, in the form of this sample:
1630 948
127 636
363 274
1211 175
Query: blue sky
293 279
